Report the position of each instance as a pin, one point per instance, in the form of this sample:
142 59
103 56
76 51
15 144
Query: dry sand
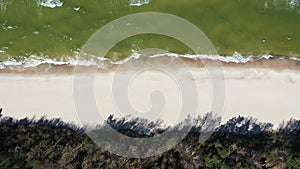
271 95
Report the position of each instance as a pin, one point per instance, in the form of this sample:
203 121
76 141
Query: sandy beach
269 94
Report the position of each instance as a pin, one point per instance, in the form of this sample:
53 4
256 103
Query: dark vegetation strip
239 143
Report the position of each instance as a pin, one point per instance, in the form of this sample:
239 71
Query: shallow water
59 28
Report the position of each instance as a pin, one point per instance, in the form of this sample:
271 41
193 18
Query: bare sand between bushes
267 92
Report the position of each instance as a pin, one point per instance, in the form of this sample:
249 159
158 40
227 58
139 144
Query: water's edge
105 63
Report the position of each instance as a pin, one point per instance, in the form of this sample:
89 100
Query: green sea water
250 27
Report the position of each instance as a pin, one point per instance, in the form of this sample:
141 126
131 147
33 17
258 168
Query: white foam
287 4
104 63
77 8
292 3
138 2
50 3
4 4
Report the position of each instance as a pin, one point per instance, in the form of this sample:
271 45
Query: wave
287 4
37 61
138 2
4 4
58 3
50 3
282 4
104 63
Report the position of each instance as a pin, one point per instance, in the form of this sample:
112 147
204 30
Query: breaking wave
105 63
138 2
58 3
50 3
282 4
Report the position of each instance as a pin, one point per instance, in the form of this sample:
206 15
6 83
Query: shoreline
278 63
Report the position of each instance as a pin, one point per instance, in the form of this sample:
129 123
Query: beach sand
264 91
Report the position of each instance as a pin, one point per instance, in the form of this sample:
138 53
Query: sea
34 32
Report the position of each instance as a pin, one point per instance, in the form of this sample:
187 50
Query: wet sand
267 91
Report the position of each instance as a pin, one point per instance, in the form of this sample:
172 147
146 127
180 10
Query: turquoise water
58 29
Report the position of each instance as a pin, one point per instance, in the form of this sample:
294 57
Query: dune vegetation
239 143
